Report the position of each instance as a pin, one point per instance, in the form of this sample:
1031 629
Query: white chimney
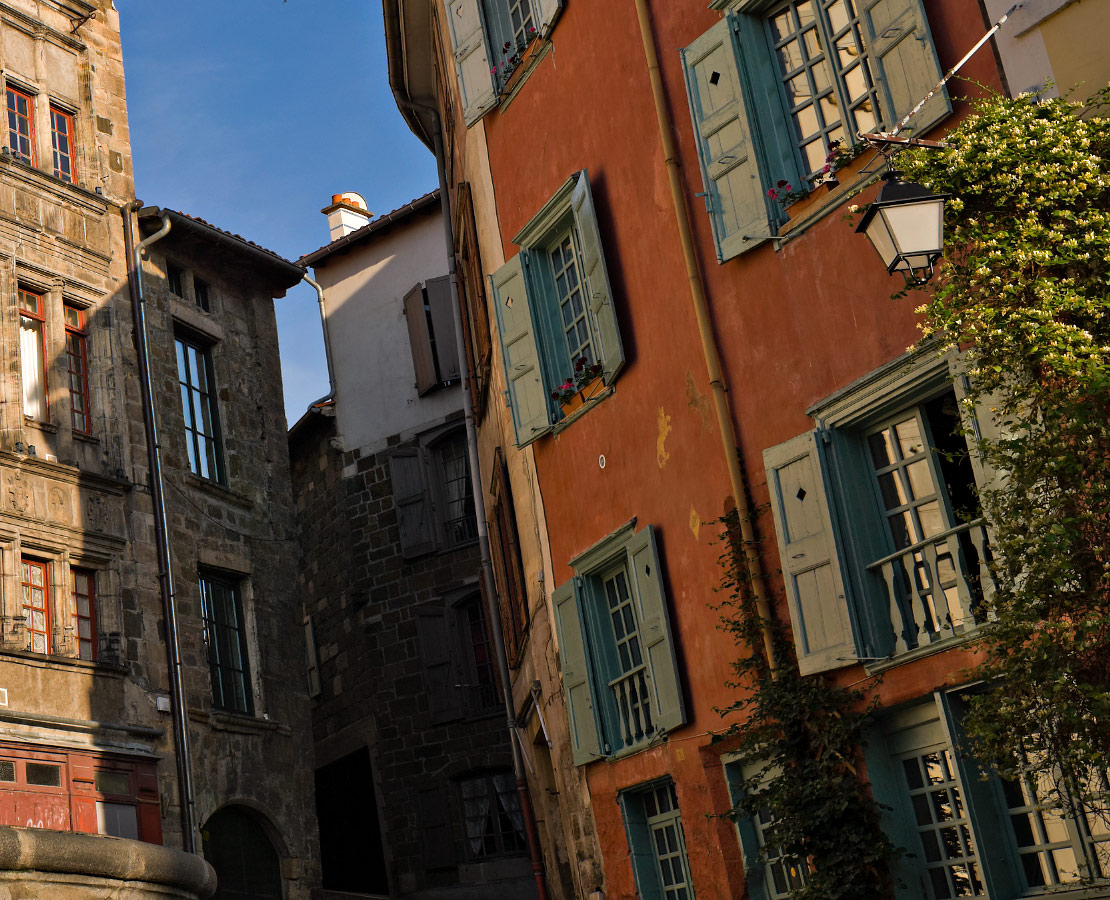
346 213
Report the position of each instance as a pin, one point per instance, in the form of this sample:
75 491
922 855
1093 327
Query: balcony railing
937 588
632 693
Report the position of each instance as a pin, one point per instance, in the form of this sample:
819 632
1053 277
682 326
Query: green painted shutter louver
655 631
611 356
814 584
901 47
585 743
528 397
735 197
464 18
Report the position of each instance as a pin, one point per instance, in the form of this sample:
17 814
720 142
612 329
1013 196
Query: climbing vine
1025 287
796 744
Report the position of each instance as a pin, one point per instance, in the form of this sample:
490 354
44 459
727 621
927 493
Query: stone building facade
415 791
85 735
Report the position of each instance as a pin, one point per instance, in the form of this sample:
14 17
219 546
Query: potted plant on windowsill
580 388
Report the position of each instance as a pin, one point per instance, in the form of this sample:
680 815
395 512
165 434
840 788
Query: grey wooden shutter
443 327
435 826
814 585
735 197
435 627
902 50
584 739
611 355
982 422
655 631
528 397
413 505
420 342
548 12
478 92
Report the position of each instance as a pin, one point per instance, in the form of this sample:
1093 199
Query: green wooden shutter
640 851
443 328
420 341
464 18
611 355
569 627
528 397
435 627
735 196
549 11
814 585
901 49
655 630
413 505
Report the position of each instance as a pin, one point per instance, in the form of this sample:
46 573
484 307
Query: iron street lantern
906 225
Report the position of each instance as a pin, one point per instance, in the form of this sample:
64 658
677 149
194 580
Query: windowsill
821 201
563 424
47 427
85 438
948 643
533 56
56 182
217 490
240 723
65 663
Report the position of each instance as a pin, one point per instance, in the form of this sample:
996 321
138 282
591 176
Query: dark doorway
351 853
243 857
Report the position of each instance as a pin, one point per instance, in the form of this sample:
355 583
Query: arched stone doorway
244 858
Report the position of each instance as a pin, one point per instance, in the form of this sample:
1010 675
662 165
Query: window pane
44 775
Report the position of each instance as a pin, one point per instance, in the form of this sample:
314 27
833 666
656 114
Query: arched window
242 855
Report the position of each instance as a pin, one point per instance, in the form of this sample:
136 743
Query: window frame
184 342
588 650
12 91
175 279
534 352
90 597
436 460
78 333
498 833
68 174
742 125
38 315
201 294
209 580
644 822
508 565
46 568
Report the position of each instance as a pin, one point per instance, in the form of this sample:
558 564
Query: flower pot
583 396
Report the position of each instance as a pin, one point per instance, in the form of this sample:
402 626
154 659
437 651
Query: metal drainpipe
161 529
708 337
493 609
330 395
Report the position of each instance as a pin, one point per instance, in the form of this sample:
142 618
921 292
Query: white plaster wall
364 291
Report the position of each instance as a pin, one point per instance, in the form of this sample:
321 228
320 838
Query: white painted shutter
479 94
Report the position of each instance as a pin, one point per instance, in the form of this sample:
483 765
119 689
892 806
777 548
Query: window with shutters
457 653
619 667
656 842
884 551
490 40
431 324
553 306
775 82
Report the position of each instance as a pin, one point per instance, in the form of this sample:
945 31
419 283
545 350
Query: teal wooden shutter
640 851
464 18
814 585
901 49
611 356
735 197
443 328
549 12
584 740
655 630
413 505
528 397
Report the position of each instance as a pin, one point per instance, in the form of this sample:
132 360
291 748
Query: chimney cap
351 200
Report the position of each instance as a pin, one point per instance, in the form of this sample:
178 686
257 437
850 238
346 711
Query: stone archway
244 857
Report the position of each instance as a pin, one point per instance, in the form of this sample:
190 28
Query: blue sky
251 114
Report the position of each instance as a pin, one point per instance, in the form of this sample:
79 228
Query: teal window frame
656 841
527 302
852 594
742 117
615 710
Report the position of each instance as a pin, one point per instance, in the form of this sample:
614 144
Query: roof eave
408 49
